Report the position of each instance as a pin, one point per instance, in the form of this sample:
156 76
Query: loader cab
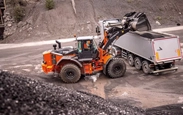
87 48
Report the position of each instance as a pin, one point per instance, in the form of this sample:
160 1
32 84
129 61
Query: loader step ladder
124 54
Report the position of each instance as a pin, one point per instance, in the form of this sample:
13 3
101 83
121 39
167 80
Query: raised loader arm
114 36
113 29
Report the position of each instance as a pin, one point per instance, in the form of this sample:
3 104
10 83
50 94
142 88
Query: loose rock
21 96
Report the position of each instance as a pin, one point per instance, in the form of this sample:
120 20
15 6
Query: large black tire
138 63
70 73
130 60
145 67
116 68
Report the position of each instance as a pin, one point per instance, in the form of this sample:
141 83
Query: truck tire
138 63
116 68
130 59
70 73
145 67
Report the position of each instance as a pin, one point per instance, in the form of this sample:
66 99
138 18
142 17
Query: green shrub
50 4
19 13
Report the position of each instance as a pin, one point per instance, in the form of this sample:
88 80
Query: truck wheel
145 67
130 60
138 63
70 73
116 68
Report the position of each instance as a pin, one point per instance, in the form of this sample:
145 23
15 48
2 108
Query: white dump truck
147 50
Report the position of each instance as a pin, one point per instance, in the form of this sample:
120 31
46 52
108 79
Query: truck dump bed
152 46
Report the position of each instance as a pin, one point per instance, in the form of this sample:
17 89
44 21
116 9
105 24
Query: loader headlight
44 62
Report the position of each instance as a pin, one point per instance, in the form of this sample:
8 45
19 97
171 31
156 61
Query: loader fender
105 66
114 51
69 58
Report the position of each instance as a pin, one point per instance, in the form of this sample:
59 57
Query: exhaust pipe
59 44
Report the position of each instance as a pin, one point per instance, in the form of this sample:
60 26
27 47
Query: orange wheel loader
89 57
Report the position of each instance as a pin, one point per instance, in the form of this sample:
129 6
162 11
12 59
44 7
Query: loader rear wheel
130 60
116 68
70 73
138 63
145 67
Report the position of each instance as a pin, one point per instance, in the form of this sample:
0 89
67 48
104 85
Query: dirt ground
70 17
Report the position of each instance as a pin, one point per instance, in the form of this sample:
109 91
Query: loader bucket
137 21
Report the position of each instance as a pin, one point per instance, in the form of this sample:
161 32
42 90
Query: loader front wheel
116 68
70 73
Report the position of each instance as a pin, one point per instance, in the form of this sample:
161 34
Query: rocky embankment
75 17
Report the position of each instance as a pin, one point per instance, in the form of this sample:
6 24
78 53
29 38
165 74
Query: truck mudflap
47 68
165 70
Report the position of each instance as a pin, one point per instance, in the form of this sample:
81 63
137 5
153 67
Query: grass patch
50 4
19 13
18 9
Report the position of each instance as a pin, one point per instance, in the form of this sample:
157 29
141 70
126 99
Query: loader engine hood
66 50
63 50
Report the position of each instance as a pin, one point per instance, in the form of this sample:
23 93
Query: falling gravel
23 96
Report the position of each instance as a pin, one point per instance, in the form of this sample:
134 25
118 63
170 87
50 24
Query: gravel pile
23 96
